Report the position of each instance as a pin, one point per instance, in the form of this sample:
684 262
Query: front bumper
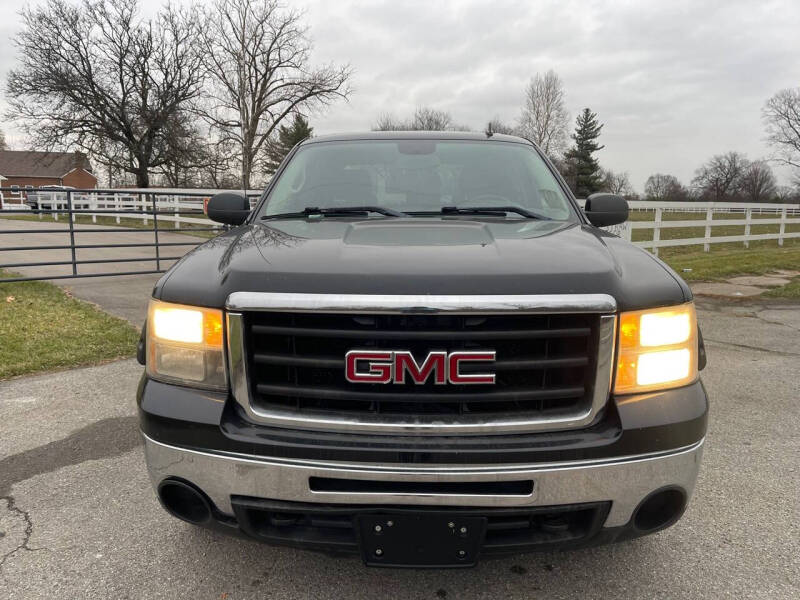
625 482
601 476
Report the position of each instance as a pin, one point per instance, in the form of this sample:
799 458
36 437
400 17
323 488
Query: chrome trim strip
367 303
624 482
460 424
494 469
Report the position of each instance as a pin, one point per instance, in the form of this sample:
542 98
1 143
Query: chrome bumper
625 481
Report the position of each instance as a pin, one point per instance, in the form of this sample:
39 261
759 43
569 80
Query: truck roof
415 135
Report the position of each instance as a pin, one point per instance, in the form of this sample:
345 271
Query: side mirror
229 208
606 209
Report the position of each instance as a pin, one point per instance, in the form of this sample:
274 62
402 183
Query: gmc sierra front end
418 348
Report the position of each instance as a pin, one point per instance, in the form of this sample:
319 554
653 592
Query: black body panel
406 256
329 528
637 424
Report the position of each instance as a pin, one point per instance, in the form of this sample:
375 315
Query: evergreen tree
288 137
3 145
583 171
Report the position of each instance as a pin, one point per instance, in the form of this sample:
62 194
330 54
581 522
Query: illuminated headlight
657 349
184 345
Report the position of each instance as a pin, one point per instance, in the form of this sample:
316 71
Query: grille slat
342 394
422 335
500 365
545 363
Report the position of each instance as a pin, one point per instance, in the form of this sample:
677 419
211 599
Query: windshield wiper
337 211
493 210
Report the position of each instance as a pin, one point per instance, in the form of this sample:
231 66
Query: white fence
168 204
783 215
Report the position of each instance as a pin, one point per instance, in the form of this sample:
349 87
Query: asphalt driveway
79 519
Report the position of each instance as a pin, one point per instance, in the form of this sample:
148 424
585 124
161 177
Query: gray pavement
79 519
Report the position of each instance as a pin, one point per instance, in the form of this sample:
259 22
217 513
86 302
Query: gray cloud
673 82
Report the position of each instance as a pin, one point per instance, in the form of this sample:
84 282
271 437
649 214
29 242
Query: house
23 170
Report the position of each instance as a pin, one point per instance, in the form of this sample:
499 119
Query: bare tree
98 78
223 170
720 178
257 54
424 118
786 194
617 183
757 183
498 126
3 145
544 118
664 188
388 122
431 119
782 117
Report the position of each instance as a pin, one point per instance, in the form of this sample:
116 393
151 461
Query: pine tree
583 171
288 137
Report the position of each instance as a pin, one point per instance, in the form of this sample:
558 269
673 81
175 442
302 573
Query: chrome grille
552 368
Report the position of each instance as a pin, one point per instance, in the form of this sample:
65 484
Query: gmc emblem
393 366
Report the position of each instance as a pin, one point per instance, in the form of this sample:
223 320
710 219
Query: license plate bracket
420 540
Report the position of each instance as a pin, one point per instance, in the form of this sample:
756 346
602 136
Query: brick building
26 171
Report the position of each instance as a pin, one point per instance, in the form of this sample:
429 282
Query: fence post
707 235
748 217
177 211
155 231
117 205
93 206
782 229
71 232
657 230
142 205
54 205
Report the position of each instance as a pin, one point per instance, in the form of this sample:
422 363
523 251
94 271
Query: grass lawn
721 264
42 328
790 290
727 259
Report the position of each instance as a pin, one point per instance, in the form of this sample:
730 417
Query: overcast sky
674 82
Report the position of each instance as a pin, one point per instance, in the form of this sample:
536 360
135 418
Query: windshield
418 176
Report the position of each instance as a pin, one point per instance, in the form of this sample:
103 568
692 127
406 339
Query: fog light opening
660 509
184 501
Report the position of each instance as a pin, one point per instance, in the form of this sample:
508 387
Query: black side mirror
229 208
606 209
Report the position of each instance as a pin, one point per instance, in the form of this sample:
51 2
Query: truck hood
421 256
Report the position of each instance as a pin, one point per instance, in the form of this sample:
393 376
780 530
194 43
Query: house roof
25 163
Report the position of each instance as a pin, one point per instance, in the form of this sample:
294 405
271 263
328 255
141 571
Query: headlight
184 345
657 349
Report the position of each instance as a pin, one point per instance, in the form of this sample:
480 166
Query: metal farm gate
68 233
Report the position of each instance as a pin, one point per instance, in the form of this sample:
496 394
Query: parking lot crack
12 507
779 323
748 347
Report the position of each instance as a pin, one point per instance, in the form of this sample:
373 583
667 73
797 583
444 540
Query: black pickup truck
419 348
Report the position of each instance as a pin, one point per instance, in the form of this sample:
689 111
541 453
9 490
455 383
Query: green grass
722 264
790 290
726 259
43 328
